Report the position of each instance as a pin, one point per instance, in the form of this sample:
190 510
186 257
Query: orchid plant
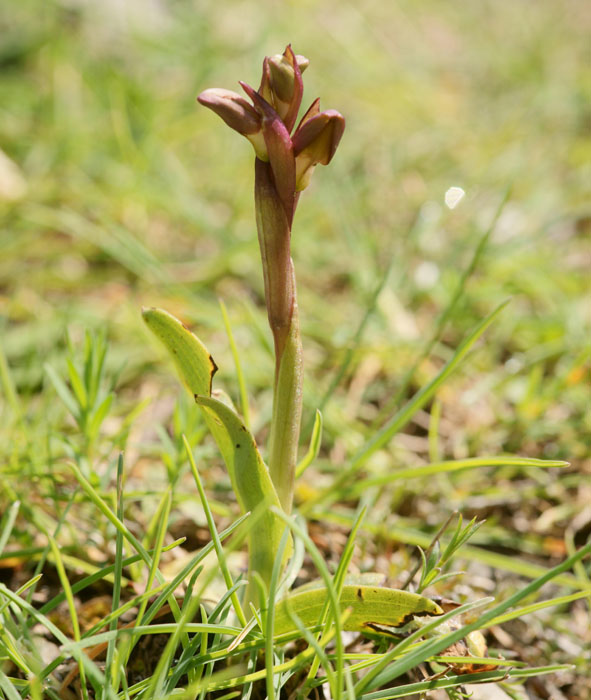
285 160
283 167
285 157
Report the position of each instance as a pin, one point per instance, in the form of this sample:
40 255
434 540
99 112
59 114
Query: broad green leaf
191 358
249 476
250 479
372 608
341 579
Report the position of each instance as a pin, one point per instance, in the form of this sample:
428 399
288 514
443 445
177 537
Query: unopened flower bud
268 122
238 114
279 79
285 83
316 141
282 77
233 109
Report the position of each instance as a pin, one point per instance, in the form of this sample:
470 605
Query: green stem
274 231
287 413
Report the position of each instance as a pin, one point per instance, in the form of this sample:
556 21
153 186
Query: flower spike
279 150
283 168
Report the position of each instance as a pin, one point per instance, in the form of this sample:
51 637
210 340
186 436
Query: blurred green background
117 190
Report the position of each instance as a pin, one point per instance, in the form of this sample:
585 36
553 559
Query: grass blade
405 691
62 390
71 608
110 671
237 364
214 534
449 309
432 647
314 449
400 419
7 523
453 465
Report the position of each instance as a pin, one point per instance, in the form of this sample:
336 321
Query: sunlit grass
129 200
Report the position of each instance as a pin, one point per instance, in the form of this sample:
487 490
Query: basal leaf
373 608
249 475
190 356
250 479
